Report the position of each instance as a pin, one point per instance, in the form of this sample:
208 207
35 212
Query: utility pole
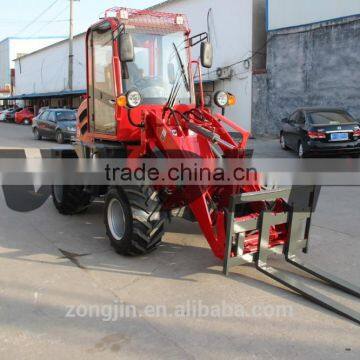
71 46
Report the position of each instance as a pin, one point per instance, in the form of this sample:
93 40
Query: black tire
27 122
134 219
59 136
36 134
70 199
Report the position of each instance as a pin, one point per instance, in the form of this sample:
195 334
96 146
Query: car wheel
26 122
59 137
283 142
36 134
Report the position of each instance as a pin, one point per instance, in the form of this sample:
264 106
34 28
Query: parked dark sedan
320 131
58 124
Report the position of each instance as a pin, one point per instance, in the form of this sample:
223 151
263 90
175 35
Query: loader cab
151 72
136 64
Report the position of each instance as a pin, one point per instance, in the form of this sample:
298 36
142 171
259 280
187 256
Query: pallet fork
301 203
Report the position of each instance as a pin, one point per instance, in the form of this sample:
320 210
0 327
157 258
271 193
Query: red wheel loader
141 103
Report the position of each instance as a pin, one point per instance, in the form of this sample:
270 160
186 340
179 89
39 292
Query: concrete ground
64 294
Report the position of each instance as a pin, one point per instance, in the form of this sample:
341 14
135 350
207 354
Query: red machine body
176 132
138 109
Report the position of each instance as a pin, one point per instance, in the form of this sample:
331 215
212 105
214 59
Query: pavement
64 293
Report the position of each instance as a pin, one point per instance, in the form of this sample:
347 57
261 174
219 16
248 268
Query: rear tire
283 142
70 199
26 122
134 219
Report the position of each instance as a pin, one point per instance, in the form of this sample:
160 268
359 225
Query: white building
13 47
237 30
42 76
46 70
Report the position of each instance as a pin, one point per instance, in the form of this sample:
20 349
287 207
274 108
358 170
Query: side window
52 117
103 92
293 118
301 118
44 115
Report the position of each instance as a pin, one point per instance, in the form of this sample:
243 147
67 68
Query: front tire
283 142
36 134
59 137
70 199
134 219
26 122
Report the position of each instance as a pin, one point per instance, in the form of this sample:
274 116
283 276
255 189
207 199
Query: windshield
330 118
156 67
65 116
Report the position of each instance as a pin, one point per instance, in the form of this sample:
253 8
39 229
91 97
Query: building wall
231 27
289 13
232 33
309 67
11 48
4 63
47 70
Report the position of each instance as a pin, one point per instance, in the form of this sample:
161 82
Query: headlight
133 98
223 99
71 128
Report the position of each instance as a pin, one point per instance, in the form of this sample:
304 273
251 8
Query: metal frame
302 202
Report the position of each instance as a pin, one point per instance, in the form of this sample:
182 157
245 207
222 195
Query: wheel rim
282 141
116 219
59 137
301 151
26 122
36 133
58 193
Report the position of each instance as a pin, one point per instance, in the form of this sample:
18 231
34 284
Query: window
103 80
44 115
301 118
330 118
149 73
52 117
293 118
65 115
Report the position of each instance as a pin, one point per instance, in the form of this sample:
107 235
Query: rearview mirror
206 54
127 53
171 73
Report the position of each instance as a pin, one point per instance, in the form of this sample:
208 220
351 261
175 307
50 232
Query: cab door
101 82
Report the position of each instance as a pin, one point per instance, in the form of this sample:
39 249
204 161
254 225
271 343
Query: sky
21 18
